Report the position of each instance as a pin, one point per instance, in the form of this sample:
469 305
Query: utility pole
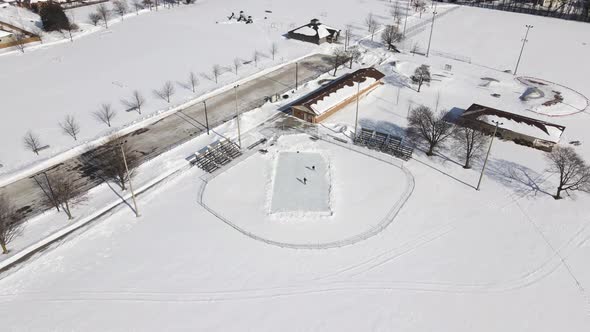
406 21
206 117
356 119
238 117
528 27
431 29
488 154
129 178
296 75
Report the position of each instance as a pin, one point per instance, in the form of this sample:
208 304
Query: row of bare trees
433 129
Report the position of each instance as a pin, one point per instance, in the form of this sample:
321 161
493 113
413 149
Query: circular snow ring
378 228
527 80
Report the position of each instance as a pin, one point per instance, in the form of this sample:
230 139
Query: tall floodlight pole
406 21
206 117
130 182
431 29
483 169
528 27
296 75
238 117
356 119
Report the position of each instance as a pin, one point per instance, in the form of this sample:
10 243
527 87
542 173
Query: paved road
175 129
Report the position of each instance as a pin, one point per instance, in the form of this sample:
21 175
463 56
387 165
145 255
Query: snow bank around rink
364 194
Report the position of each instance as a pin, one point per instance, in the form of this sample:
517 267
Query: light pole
296 75
431 29
356 119
406 21
488 154
528 27
129 178
206 117
238 117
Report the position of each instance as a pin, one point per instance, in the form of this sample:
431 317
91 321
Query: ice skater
313 168
304 180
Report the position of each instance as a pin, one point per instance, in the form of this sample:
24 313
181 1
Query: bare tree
216 71
421 75
423 124
71 27
135 102
338 58
137 5
70 127
94 18
32 142
104 13
105 114
469 144
120 7
110 165
574 173
274 49
390 35
353 53
166 91
67 191
396 13
20 41
420 6
371 24
193 80
10 227
256 58
148 3
237 65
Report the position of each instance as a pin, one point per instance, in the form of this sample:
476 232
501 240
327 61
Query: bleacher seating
216 155
383 142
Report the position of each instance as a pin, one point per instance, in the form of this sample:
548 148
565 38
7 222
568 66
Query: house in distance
333 96
315 32
520 129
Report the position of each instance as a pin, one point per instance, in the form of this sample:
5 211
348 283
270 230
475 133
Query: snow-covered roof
4 33
330 95
315 28
516 123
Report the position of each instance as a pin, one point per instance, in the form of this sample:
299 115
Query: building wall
6 40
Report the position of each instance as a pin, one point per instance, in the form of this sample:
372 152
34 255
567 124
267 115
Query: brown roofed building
520 129
333 96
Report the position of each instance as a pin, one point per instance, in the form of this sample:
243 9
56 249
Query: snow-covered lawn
506 258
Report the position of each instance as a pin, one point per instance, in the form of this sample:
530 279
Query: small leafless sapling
574 173
67 191
193 81
32 142
10 226
421 76
391 35
256 58
120 7
469 144
372 25
137 5
338 58
166 91
425 125
94 18
274 49
105 114
70 127
148 3
104 13
216 71
237 65
19 41
135 102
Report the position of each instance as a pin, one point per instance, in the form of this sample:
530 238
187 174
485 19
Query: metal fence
520 7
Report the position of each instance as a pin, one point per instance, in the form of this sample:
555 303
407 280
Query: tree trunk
67 210
430 150
467 165
558 194
419 85
4 249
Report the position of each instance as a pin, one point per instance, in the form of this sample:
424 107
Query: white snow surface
506 258
339 96
551 133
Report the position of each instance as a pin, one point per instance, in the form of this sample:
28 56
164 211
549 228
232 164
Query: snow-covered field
506 258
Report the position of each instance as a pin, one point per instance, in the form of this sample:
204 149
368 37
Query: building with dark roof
333 96
315 32
520 129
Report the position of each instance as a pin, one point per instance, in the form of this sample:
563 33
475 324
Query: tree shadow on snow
518 177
